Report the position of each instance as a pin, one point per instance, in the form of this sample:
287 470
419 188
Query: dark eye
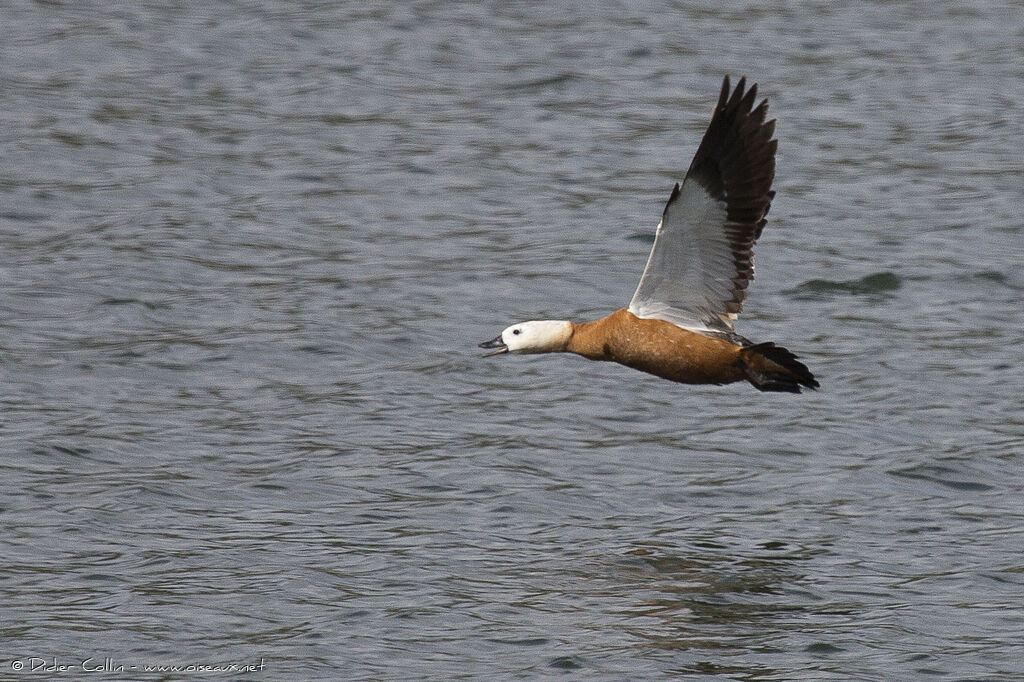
515 332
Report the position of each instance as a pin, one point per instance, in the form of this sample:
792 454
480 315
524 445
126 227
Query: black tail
773 368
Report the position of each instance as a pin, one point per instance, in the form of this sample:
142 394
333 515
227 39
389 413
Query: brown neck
589 338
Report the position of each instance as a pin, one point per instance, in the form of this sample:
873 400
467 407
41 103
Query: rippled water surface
248 250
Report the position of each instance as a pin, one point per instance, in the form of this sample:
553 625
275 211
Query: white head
538 336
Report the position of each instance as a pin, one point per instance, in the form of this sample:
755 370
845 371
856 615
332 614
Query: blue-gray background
247 251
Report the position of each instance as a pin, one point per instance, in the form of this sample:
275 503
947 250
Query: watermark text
48 665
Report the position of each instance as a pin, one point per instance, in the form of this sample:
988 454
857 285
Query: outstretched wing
702 259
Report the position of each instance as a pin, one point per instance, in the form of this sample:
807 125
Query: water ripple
248 256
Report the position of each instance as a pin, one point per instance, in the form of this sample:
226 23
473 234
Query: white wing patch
689 275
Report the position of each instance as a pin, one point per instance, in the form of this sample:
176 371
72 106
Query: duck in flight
679 325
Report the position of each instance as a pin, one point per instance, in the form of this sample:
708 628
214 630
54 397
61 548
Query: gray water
248 250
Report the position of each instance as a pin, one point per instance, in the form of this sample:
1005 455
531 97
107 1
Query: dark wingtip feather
735 163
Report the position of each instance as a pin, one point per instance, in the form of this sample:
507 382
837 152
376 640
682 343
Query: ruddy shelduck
679 325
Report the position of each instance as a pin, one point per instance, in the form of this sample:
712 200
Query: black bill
497 344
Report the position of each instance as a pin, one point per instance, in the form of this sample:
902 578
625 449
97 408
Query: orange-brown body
697 273
658 347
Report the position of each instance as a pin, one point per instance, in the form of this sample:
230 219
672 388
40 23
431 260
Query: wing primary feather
702 259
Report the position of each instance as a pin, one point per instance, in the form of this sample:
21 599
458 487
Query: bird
679 323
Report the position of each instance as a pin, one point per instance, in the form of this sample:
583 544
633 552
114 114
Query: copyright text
38 664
